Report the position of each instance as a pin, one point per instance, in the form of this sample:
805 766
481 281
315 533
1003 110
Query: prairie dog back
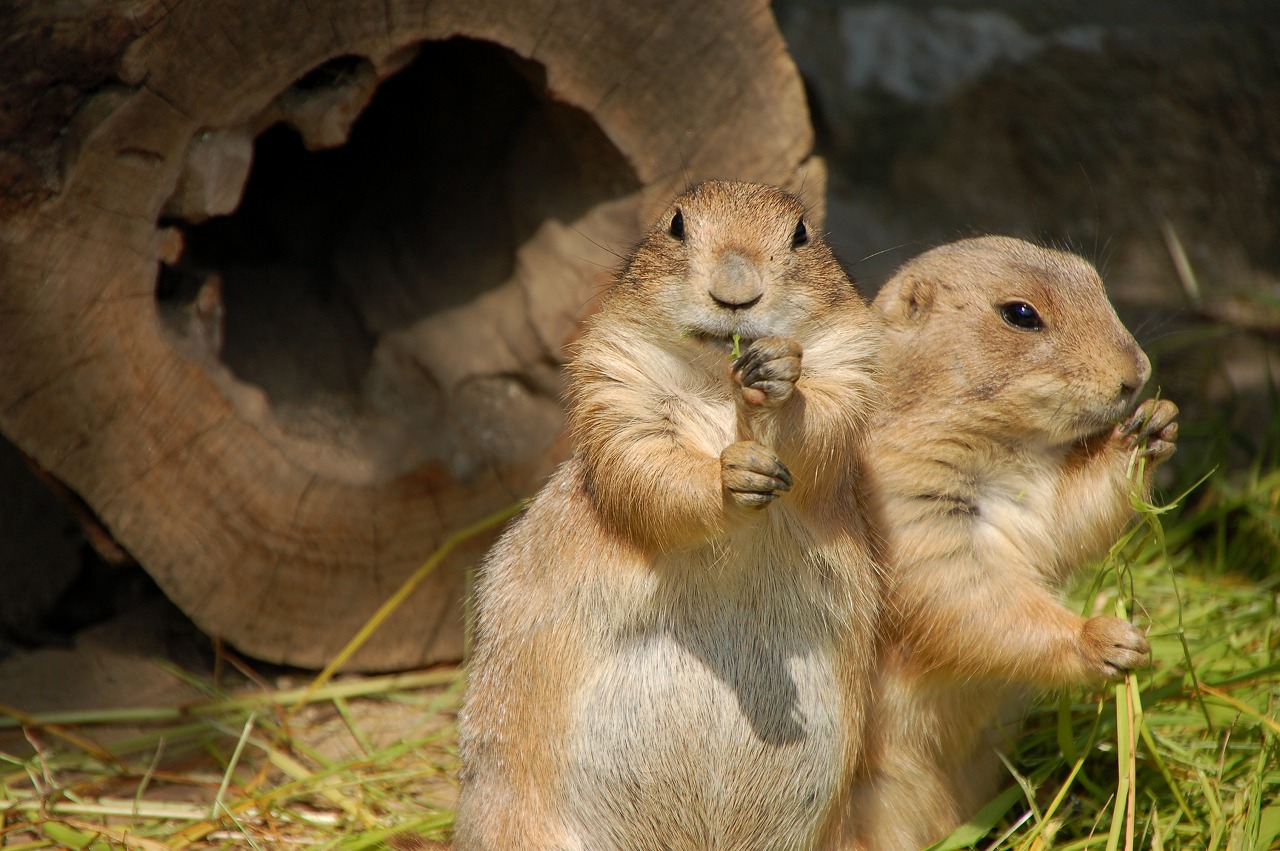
675 642
1002 462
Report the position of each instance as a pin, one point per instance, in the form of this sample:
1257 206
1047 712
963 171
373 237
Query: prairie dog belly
733 708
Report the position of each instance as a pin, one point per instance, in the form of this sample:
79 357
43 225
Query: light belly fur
735 711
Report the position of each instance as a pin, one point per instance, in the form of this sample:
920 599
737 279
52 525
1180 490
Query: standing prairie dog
1002 462
674 644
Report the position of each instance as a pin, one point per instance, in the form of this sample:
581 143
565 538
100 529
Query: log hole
333 255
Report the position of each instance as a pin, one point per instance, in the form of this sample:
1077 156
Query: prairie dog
1001 460
674 644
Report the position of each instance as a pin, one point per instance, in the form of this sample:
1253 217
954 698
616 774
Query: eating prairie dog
674 644
1002 460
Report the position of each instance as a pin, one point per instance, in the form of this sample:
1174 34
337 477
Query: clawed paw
1152 427
768 371
1112 647
752 474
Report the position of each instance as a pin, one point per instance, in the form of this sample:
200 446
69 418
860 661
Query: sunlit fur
1001 473
657 666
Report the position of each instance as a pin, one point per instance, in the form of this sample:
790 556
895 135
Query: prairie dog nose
1133 382
736 283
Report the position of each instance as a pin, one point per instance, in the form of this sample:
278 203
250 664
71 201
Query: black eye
801 235
1019 314
677 226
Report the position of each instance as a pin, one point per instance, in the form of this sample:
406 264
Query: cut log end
377 292
300 308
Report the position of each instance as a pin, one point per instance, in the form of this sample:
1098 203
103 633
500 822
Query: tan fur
1003 470
674 643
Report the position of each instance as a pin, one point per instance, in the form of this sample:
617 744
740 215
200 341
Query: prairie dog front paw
752 474
768 371
1112 647
1153 422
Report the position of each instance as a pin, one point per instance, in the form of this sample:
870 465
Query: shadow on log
287 286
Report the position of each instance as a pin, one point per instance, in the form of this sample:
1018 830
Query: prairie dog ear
907 298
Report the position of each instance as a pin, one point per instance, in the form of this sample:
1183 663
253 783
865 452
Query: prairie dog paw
768 371
1112 647
752 474
1153 423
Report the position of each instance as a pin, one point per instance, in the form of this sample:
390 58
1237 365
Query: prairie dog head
1022 338
730 258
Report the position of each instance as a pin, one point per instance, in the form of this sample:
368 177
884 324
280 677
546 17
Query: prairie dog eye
801 235
677 226
1021 315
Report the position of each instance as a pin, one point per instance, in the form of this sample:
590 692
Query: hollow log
285 287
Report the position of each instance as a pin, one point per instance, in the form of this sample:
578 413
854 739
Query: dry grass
254 770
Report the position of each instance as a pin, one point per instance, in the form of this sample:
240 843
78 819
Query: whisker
887 250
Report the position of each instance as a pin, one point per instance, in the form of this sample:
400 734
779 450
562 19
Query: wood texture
275 516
